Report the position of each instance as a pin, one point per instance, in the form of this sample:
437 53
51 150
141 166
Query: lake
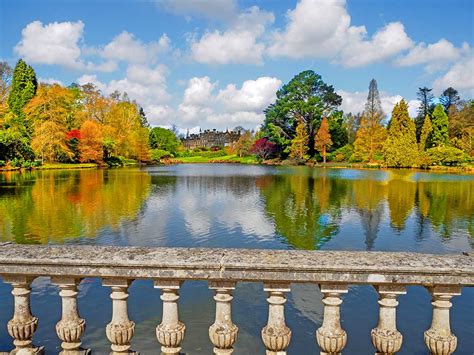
239 206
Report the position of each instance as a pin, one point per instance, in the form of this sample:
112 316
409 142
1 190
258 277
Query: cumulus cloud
459 76
50 81
385 43
322 29
354 102
254 95
219 9
125 47
53 43
239 44
441 51
203 103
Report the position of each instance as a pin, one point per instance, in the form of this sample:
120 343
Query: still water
237 206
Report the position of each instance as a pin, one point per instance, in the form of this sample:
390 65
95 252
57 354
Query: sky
218 63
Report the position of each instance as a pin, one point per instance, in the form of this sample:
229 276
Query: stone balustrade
333 271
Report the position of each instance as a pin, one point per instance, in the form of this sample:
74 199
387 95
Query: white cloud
126 47
204 104
460 76
354 102
53 43
254 95
442 51
238 44
385 43
322 29
220 9
50 81
199 91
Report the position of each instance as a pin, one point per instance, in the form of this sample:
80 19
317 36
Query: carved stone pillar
170 333
439 339
71 327
330 336
385 337
121 329
223 333
23 324
276 335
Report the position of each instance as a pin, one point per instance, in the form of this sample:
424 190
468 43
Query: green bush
158 154
342 154
114 161
2 163
448 156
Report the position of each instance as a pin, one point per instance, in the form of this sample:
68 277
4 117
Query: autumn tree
5 80
461 127
263 148
371 134
299 144
90 143
439 121
323 139
49 141
142 146
244 144
400 149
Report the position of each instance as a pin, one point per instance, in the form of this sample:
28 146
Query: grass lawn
67 166
224 159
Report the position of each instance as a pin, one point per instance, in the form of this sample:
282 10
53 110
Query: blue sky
218 63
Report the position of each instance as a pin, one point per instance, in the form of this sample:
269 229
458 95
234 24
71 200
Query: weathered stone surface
376 268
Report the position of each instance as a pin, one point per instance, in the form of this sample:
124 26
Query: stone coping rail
333 271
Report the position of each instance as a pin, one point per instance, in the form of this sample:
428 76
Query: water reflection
236 206
52 206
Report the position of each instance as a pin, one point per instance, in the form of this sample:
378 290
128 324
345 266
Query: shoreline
203 160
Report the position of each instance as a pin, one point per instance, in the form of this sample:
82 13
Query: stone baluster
439 339
71 327
23 324
120 330
170 333
223 333
276 335
385 337
330 336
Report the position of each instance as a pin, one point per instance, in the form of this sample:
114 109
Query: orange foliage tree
91 143
323 138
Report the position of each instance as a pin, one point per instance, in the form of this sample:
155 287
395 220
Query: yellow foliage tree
91 142
299 144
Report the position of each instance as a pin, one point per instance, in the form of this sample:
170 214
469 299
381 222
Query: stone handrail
333 271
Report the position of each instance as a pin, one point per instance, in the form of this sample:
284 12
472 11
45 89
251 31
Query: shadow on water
241 207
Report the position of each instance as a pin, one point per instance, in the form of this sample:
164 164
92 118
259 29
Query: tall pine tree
439 136
23 88
371 133
400 148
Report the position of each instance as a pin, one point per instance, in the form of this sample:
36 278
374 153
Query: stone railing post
386 338
439 339
330 336
223 333
276 335
23 324
71 327
170 333
120 330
